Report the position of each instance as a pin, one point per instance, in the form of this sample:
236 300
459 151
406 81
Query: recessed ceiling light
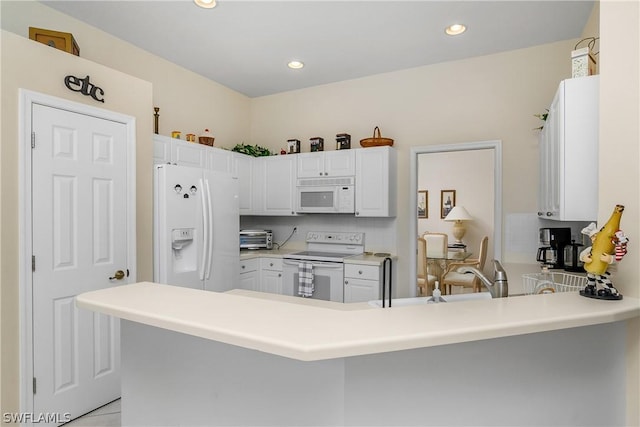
207 4
296 65
455 29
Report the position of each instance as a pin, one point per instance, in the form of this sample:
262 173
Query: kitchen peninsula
193 357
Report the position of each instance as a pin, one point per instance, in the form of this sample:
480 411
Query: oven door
328 279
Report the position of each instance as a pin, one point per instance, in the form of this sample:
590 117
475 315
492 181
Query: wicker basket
377 140
206 140
541 283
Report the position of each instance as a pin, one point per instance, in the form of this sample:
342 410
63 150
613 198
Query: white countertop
366 258
304 331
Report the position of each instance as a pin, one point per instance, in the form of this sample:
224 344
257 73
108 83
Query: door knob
119 275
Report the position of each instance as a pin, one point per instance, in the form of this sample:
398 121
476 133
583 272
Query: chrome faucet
500 286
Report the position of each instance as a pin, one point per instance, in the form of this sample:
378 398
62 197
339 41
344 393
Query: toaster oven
256 239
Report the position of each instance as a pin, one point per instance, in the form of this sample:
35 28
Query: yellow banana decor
603 243
609 245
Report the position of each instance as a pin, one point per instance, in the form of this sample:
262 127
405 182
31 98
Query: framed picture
447 202
423 204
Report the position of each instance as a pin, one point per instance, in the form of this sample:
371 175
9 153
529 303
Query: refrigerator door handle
209 235
205 226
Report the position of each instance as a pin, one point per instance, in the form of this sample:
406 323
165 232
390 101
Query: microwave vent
315 182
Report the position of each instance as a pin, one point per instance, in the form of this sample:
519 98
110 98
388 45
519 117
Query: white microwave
326 195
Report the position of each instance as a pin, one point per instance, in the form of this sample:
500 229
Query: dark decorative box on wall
62 41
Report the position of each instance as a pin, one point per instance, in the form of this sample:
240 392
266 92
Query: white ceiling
245 45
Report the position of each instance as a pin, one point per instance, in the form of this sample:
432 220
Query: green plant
251 150
542 117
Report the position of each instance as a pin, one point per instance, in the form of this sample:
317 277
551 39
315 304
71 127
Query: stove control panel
347 238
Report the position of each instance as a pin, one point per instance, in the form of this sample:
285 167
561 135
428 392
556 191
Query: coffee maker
552 244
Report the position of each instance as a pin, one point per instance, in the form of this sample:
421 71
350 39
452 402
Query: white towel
305 279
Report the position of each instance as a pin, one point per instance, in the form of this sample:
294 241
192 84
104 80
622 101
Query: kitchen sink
400 302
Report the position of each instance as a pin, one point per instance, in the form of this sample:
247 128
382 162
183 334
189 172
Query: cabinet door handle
325 174
346 282
359 271
243 267
270 264
279 274
549 213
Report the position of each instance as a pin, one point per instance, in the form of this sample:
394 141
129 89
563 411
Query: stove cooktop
318 255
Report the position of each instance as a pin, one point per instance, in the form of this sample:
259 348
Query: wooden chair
425 281
452 278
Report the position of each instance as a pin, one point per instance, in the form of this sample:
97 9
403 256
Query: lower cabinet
250 274
361 282
271 275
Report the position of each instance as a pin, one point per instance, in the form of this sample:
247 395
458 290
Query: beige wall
620 156
483 98
23 66
188 102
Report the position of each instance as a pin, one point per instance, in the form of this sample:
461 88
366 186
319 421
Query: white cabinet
249 274
220 160
161 149
185 153
326 163
569 153
277 184
178 152
376 182
271 275
362 282
243 165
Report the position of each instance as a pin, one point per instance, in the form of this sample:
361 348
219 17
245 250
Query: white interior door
79 223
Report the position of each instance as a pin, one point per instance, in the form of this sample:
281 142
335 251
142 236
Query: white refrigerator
196 225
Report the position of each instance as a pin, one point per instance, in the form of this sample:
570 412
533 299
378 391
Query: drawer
271 263
249 265
359 271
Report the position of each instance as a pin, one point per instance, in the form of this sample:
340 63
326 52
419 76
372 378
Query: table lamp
458 214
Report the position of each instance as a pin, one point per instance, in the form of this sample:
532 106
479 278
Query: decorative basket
206 140
377 140
541 283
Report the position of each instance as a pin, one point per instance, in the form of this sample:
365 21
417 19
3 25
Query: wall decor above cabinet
569 153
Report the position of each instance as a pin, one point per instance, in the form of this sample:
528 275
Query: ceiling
246 45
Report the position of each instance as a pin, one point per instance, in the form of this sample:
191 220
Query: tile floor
105 416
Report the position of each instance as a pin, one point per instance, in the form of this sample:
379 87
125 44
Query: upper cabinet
326 163
274 185
376 182
267 185
569 153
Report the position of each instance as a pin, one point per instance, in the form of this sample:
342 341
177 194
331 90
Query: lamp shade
458 213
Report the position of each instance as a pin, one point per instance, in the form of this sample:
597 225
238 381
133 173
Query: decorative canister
293 146
317 143
343 141
191 137
175 134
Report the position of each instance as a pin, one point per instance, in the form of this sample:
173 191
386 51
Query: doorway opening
494 149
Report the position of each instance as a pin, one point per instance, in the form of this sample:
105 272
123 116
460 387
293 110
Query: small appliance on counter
572 257
256 239
552 246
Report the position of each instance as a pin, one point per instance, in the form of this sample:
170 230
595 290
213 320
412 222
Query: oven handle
315 264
